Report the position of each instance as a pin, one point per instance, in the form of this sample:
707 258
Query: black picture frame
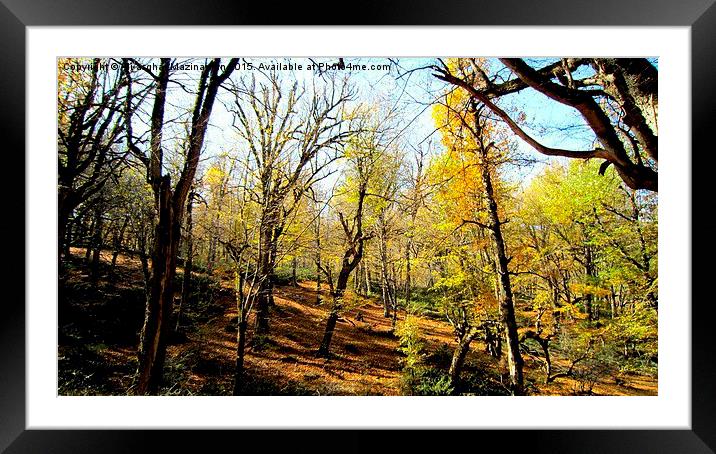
700 15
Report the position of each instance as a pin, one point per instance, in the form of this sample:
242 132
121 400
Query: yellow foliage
72 85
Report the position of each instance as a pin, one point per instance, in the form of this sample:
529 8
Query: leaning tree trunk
458 358
507 308
324 349
351 258
544 344
337 295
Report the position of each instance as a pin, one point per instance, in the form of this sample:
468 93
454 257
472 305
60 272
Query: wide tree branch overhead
483 98
632 107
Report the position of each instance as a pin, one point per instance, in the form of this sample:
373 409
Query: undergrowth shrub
417 378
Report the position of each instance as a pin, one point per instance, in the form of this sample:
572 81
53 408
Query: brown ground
98 338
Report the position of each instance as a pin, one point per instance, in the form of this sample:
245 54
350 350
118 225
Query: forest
357 226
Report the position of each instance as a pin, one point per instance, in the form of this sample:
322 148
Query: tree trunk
612 303
351 258
242 309
318 260
394 298
368 288
547 359
385 293
275 236
67 201
63 245
590 271
146 272
152 348
507 309
408 281
188 262
544 344
357 284
324 349
263 300
385 284
96 245
170 205
240 349
493 341
118 239
88 240
68 239
294 265
338 293
211 255
458 358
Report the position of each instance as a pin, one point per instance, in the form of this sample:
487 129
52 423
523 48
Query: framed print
435 217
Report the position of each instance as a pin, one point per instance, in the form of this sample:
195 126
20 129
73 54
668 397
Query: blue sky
551 123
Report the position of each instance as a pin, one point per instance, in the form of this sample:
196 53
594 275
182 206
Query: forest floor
99 326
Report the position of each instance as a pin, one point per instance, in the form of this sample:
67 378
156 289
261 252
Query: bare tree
285 129
90 125
170 202
355 243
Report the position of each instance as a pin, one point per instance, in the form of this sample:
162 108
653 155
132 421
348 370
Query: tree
365 155
617 98
239 246
414 200
472 134
170 202
285 128
596 224
586 264
90 125
189 256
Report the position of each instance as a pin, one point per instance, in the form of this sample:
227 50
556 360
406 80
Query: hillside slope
98 334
